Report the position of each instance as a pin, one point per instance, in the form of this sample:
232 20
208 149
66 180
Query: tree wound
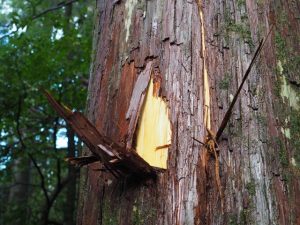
153 134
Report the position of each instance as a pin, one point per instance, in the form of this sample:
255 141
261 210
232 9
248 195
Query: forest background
47 45
43 44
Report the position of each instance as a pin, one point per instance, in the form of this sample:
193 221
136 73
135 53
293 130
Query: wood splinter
211 139
116 159
82 160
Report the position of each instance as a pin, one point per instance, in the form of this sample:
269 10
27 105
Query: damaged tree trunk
165 71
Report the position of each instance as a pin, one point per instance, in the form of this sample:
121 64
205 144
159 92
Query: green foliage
53 52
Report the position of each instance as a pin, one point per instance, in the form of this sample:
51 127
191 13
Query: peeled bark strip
259 149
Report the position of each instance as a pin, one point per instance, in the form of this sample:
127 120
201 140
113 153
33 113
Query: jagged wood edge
128 161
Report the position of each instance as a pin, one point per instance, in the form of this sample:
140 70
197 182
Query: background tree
43 44
198 50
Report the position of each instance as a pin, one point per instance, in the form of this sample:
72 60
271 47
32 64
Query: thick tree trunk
200 51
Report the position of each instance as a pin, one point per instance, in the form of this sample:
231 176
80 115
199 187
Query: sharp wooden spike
62 110
82 160
103 148
229 111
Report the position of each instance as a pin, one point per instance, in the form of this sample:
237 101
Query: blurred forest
43 44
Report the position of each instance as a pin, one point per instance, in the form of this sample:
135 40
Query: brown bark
259 166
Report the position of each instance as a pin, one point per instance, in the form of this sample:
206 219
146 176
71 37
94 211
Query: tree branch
43 186
58 6
8 34
7 147
60 187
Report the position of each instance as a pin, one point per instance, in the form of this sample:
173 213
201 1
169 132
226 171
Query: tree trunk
18 193
199 51
71 186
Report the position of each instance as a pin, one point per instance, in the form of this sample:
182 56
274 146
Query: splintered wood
205 74
211 139
115 158
210 142
149 120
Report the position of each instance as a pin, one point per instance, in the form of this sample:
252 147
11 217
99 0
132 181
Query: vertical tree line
43 44
198 51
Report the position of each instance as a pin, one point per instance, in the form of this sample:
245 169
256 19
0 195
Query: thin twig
58 6
200 142
43 186
60 187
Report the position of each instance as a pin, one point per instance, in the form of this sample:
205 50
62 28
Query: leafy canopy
52 51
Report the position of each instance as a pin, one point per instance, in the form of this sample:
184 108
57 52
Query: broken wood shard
116 158
148 119
136 101
82 161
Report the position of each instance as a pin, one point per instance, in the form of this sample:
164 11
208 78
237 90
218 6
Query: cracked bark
131 35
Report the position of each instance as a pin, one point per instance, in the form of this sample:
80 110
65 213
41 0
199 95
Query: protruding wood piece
229 111
82 160
103 148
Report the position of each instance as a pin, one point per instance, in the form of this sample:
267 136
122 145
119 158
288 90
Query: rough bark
259 162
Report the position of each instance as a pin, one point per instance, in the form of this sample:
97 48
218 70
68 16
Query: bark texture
259 151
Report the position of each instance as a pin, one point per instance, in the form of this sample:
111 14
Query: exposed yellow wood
154 131
205 75
210 141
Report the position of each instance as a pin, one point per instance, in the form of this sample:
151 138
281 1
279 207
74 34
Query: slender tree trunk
200 50
71 187
18 193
